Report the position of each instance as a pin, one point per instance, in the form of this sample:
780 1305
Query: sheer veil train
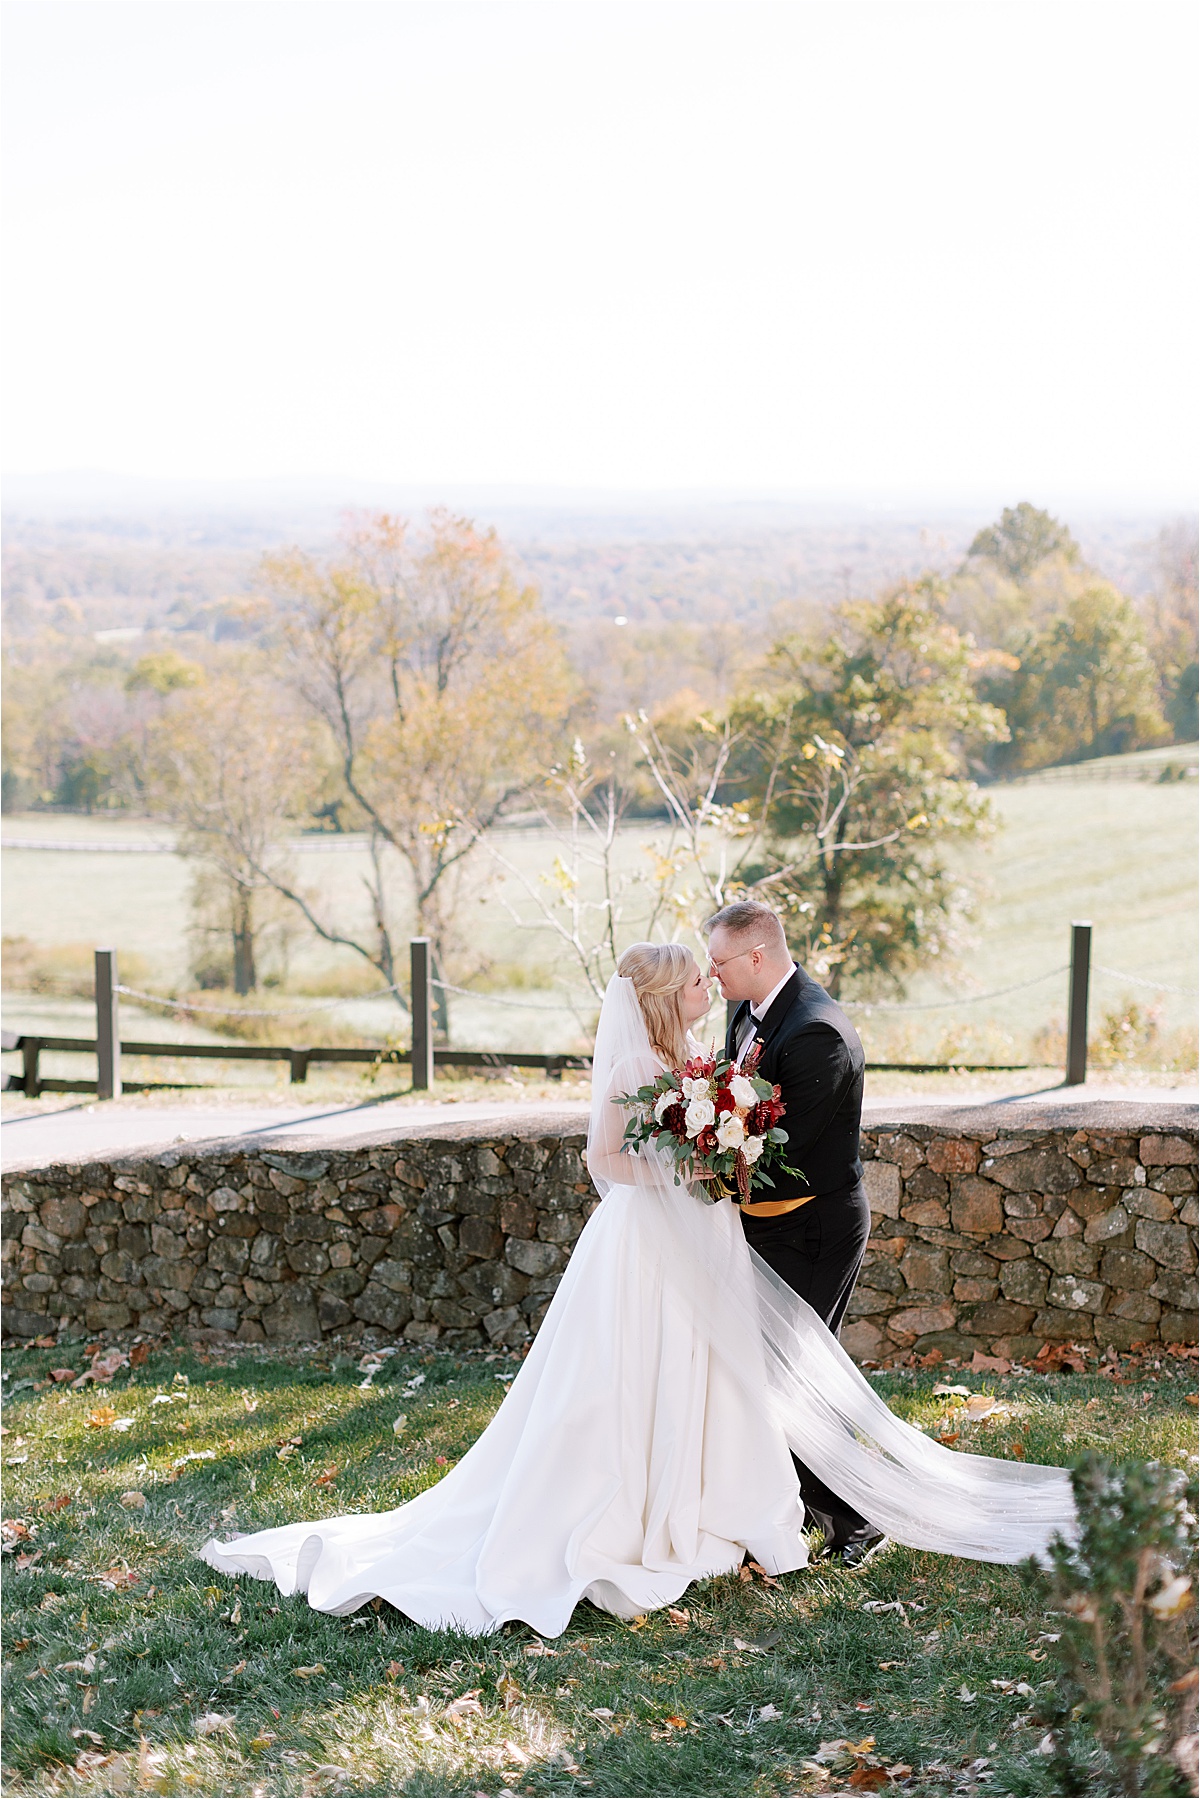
644 1443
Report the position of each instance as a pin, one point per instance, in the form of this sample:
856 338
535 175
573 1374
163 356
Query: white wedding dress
644 1444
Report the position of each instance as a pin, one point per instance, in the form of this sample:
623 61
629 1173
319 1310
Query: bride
646 1441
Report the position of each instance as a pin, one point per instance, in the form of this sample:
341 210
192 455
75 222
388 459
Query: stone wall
1006 1239
984 1235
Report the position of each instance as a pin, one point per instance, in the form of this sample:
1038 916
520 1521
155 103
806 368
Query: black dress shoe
861 1547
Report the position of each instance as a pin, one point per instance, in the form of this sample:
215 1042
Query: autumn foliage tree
231 764
855 757
440 688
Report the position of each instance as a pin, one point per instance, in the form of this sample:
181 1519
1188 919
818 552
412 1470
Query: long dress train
644 1443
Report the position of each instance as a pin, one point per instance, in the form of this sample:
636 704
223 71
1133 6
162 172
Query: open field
129 1665
1122 853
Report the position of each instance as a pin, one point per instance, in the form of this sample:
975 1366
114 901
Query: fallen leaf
982 1405
675 1722
86 1666
211 1724
1192 1398
27 1561
899 1771
138 1354
679 1616
601 1711
441 1460
639 1623
767 1714
868 1780
990 1364
133 1501
509 1691
89 1699
466 1705
749 1648
948 1438
235 1616
1186 1682
263 1740
307 1673
398 1426
57 1504
1172 1599
395 1670
15 1530
44 1342
966 1696
1018 1450
514 1753
62 1374
328 1477
103 1368
101 1417
115 1578
889 1665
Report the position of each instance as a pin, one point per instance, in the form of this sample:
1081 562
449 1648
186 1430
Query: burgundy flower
675 1120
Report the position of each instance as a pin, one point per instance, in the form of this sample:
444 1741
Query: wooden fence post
1077 1003
31 1050
422 1015
108 1029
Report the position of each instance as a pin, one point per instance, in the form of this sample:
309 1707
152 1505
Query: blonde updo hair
659 972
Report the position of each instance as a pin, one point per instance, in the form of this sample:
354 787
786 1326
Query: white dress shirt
758 1012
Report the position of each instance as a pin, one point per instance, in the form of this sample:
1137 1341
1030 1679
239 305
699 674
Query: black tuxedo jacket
812 1051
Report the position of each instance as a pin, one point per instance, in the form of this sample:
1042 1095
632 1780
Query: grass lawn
130 1666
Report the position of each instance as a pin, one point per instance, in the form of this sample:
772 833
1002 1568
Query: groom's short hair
744 917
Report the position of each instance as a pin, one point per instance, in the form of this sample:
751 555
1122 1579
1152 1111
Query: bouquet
718 1121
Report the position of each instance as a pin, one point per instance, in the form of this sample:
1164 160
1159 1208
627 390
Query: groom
813 1230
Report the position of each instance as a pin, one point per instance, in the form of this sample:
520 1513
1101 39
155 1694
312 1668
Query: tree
442 690
856 762
1022 539
1171 614
231 765
1085 686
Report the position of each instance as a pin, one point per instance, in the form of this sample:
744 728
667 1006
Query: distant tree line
409 688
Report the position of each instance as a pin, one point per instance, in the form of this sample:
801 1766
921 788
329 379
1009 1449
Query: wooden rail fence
424 1059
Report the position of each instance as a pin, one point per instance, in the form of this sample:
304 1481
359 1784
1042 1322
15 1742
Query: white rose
743 1093
699 1113
752 1148
694 1088
665 1100
732 1132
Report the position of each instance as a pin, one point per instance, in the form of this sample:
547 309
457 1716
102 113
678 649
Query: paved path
83 1130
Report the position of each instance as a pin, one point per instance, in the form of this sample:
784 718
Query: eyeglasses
718 966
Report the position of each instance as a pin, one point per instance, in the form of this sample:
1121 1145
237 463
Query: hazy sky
937 248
